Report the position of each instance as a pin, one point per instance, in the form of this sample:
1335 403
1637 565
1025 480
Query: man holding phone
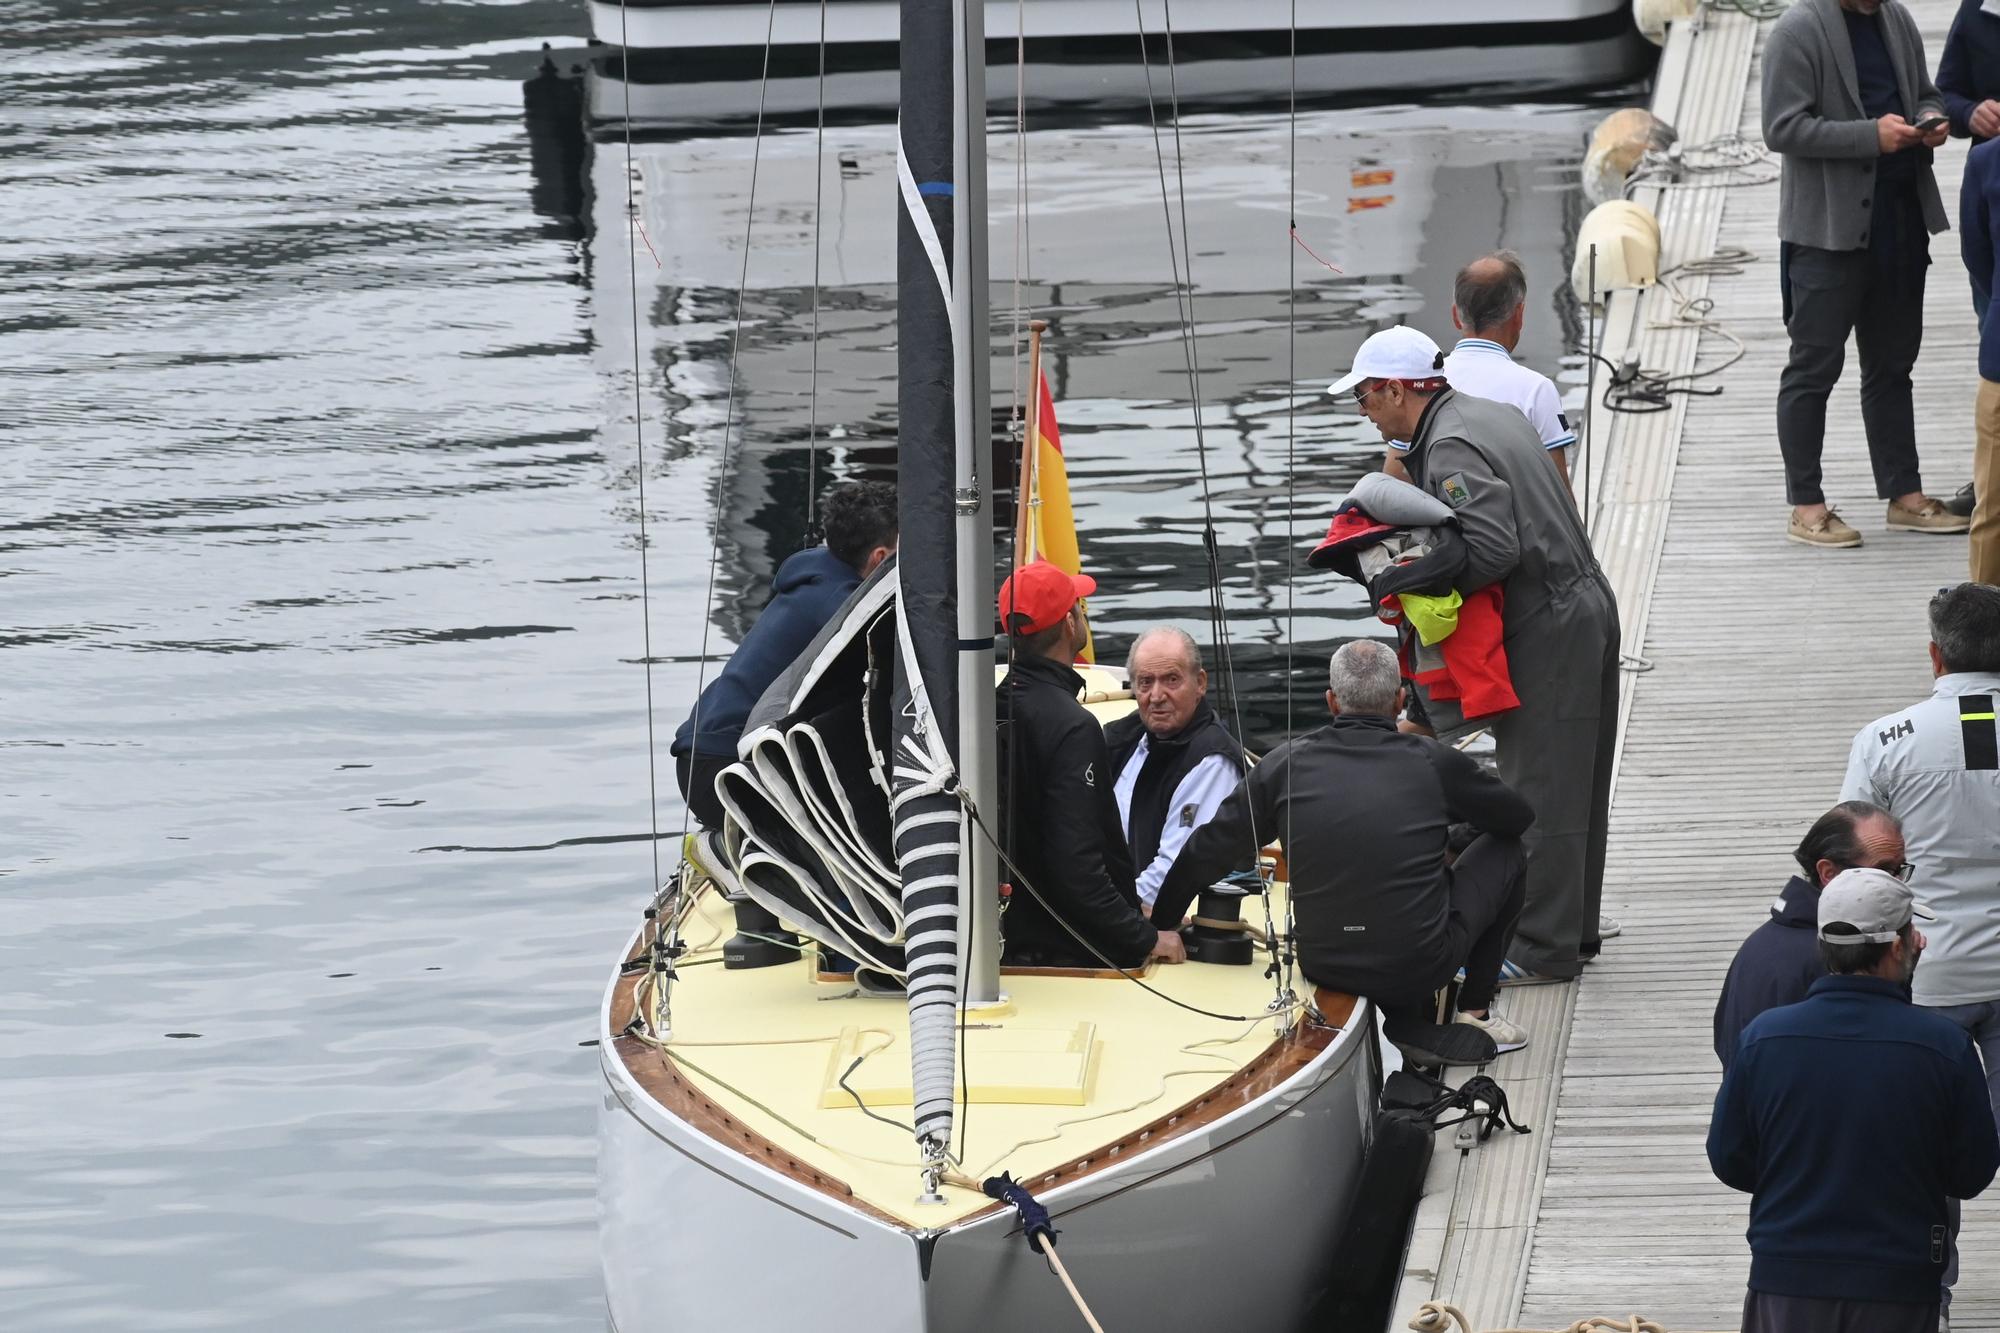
1850 107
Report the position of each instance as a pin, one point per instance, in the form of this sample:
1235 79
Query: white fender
1627 237
1616 145
1653 16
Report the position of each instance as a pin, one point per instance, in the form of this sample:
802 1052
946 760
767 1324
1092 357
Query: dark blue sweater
1849 1117
1978 217
809 589
1776 966
1969 71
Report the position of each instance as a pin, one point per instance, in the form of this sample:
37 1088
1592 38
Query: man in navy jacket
1979 221
1968 79
812 585
1780 960
1851 1118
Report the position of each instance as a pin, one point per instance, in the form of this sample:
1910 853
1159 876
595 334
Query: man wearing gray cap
1852 1118
1559 628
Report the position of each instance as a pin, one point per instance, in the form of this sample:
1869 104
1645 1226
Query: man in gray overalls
1521 531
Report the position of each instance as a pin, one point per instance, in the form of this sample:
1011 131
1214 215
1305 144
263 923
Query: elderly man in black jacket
1073 902
1362 811
1780 960
1175 761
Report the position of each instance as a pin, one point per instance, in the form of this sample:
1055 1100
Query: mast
944 738
979 913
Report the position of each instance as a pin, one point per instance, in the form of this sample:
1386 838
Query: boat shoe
1829 531
1506 1036
1935 516
1962 501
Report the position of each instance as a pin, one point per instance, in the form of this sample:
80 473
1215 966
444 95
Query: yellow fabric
1434 618
1048 527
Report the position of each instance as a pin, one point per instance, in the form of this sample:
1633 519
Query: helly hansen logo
1903 728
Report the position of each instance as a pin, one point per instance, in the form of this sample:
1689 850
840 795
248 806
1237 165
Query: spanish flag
1046 528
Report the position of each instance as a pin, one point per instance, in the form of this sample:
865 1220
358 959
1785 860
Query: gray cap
1874 904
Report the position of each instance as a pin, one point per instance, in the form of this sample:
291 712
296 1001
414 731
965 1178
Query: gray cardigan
1813 117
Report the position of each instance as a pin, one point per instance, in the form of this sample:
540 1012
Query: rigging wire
812 374
717 492
1021 881
1184 307
1182 261
634 231
1015 424
1291 480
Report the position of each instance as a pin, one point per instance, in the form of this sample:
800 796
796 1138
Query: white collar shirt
1484 369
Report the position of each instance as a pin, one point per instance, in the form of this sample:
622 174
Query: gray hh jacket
1814 118
1936 767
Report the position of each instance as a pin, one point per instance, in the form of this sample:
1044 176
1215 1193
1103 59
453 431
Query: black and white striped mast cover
944 683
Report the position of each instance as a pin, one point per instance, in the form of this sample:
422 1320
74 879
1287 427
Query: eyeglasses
1900 869
1361 395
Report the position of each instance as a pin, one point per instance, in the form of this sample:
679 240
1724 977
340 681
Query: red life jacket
1475 657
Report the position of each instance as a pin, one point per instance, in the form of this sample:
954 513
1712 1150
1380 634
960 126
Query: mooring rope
1443 1317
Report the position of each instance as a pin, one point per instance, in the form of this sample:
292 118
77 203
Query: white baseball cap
1399 353
1867 906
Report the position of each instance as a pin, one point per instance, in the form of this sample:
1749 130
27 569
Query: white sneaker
1506 1036
704 851
1608 927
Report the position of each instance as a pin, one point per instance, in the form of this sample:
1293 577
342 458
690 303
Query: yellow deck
762 1044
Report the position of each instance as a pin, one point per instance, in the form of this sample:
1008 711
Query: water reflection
1397 198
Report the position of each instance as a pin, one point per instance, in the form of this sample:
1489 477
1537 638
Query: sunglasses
1361 395
1900 869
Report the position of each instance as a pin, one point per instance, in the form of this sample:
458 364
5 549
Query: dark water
323 752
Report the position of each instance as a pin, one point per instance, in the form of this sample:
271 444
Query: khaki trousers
1984 541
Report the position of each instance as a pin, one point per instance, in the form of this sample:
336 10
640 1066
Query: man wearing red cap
1073 902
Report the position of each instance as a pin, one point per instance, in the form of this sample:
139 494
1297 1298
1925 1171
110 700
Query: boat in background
690 25
678 63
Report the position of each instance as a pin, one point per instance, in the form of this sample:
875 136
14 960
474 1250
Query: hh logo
1903 728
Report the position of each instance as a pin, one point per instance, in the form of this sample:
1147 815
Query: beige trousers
1985 537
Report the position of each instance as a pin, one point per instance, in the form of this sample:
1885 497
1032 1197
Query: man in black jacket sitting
1073 902
1363 811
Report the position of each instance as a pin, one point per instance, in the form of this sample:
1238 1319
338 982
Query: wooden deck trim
656 1073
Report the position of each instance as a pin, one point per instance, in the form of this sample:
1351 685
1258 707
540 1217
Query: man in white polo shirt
1489 303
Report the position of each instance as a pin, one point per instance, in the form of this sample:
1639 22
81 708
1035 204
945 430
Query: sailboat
895 1131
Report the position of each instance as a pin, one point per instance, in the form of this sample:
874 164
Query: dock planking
1762 658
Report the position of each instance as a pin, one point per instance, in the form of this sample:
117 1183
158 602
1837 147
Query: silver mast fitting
978 901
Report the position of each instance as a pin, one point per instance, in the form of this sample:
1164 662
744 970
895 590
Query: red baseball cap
1040 594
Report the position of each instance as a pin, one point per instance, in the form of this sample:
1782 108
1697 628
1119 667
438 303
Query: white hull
697 1236
797 22
685 95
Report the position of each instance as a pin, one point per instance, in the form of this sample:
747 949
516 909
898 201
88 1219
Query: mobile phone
1929 123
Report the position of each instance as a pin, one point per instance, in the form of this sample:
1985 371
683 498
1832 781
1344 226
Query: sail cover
807 801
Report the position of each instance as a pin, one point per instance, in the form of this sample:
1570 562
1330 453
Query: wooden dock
1759 659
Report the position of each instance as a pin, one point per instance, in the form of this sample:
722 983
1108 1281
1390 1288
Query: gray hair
1486 298
1364 677
1190 650
1965 626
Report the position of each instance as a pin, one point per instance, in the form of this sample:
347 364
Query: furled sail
930 822
807 801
